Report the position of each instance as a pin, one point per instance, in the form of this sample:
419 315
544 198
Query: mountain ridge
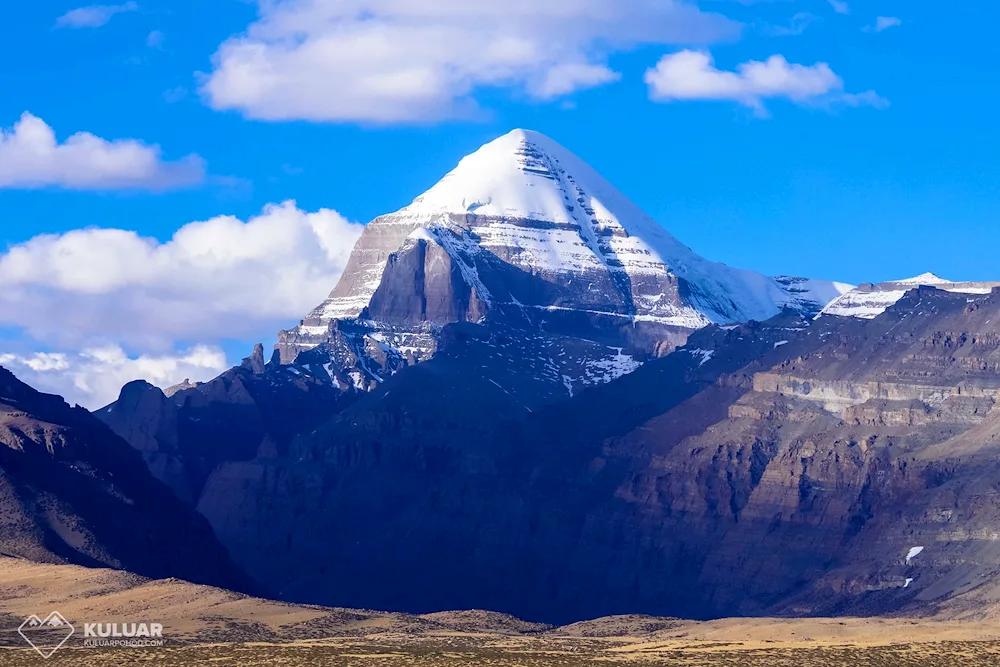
71 491
869 300
524 232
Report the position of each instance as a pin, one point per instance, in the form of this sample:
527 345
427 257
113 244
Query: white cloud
564 79
417 60
222 278
692 75
869 98
886 22
106 290
32 157
94 377
93 16
840 7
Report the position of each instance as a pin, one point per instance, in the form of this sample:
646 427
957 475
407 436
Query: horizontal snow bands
477 223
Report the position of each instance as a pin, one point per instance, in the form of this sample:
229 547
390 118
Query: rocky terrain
251 411
801 467
839 479
71 491
871 300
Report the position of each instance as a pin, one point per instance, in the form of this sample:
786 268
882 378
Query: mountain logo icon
46 636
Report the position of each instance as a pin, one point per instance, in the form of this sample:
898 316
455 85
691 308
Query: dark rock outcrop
73 491
249 409
422 284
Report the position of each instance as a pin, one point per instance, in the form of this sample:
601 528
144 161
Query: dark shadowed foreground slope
72 491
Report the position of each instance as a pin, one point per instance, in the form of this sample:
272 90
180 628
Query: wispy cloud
175 94
93 16
840 6
155 39
692 75
796 26
886 22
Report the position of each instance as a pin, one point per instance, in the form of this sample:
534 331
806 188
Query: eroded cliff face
857 478
788 467
251 411
455 485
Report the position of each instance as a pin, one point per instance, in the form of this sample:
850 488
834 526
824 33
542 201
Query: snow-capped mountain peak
524 230
871 300
525 174
924 279
538 207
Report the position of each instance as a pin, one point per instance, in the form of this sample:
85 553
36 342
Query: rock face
505 500
525 234
848 479
72 491
790 467
252 410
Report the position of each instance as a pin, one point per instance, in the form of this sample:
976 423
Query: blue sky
804 183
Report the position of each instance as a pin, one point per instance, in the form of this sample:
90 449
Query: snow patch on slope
602 371
864 305
701 355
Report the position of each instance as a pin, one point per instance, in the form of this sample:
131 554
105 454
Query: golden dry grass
208 626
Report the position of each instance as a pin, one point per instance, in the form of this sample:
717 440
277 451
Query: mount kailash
524 236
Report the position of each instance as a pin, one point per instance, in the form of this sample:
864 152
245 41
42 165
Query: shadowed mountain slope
72 491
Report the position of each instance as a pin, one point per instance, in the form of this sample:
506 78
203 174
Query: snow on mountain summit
527 223
525 174
871 300
924 279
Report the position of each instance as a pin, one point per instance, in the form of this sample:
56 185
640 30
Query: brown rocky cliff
421 283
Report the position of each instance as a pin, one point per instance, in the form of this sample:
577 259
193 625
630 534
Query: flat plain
209 626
